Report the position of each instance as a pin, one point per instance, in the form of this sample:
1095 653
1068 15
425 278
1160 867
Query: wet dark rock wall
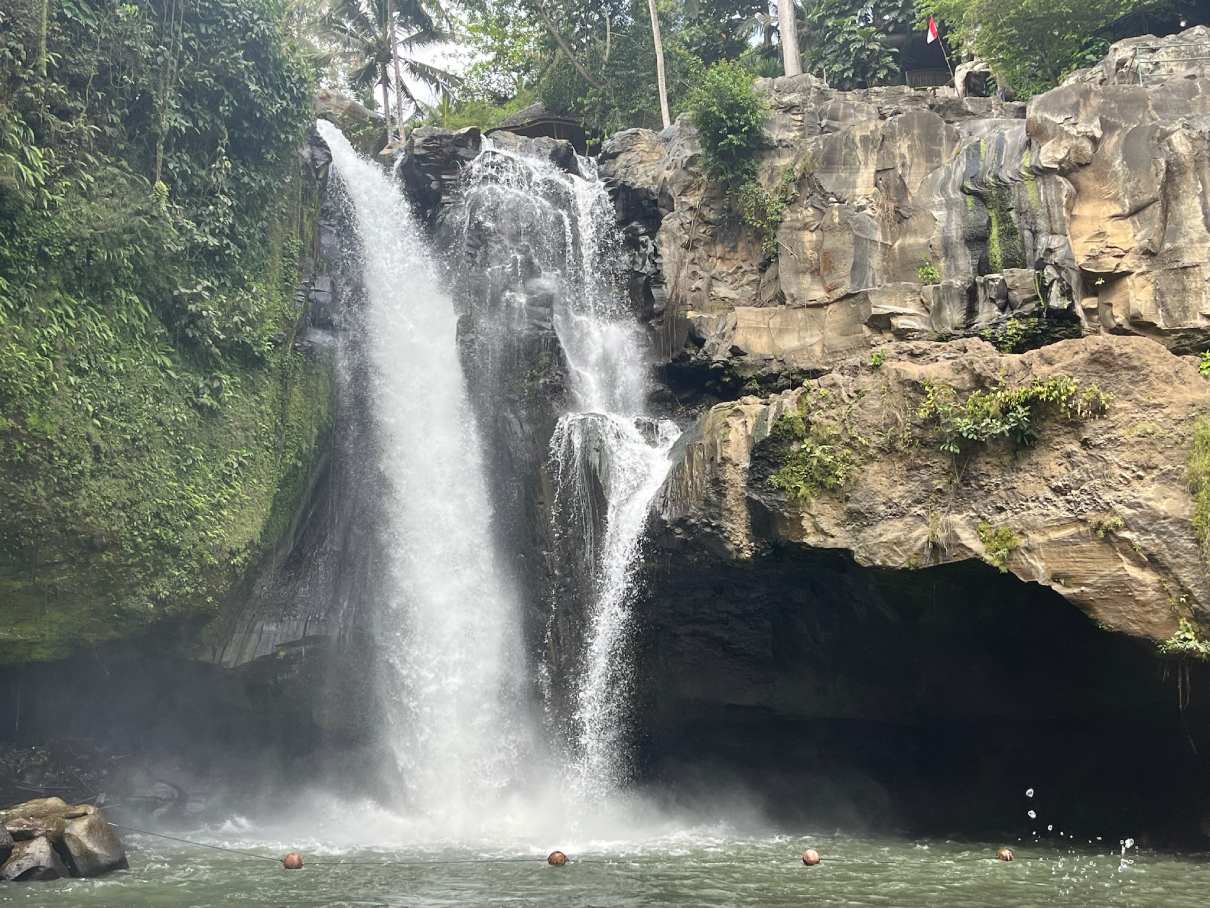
926 701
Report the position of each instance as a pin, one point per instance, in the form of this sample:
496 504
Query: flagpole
945 55
934 34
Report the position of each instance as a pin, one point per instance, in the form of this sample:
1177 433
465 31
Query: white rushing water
609 446
612 439
449 617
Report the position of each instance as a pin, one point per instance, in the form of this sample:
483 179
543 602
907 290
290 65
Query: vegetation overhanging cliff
156 419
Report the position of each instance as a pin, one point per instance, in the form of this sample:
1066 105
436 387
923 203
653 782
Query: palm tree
659 63
377 37
787 26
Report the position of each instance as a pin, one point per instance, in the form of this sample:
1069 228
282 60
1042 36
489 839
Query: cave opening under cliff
923 701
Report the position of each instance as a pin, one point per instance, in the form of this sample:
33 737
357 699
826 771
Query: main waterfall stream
448 620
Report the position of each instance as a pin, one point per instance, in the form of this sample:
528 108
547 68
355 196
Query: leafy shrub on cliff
1004 412
730 121
1186 643
998 544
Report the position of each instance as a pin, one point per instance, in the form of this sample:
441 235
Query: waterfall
553 241
448 616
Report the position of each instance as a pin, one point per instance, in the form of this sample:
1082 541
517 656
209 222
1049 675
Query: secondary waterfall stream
608 456
455 679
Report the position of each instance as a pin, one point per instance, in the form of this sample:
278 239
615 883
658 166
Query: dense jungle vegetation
596 61
151 216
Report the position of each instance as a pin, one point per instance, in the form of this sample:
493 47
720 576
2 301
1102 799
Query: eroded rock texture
918 215
1097 509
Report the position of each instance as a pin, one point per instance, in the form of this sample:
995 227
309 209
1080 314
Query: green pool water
704 866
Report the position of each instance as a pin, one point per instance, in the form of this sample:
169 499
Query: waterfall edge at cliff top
453 678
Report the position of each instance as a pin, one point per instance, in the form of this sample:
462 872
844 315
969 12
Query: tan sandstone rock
1099 509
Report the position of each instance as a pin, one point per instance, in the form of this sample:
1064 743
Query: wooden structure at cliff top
1157 59
536 121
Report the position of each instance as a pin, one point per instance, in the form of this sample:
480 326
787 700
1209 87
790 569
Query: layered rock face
915 217
1097 508
922 215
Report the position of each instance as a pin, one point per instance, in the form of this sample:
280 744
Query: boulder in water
92 845
48 838
33 860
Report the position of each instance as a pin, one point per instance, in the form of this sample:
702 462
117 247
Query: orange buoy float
556 859
811 857
1004 854
292 861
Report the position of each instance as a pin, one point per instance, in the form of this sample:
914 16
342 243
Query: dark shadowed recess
158 732
924 701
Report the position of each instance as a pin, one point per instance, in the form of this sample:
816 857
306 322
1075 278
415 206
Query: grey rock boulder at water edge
48 839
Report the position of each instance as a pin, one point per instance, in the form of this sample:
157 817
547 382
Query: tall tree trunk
395 64
386 102
788 28
659 63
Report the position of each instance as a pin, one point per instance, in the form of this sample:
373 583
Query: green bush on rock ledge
1186 643
998 544
1004 412
817 455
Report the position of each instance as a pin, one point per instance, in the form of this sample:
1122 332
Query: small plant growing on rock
928 274
763 210
1004 412
1103 525
1186 643
877 358
998 544
1203 363
819 456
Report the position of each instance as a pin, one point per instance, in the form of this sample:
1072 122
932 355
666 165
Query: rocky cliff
916 217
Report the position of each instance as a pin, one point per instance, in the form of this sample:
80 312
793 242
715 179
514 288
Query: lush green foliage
998 544
1004 412
845 40
1203 364
596 61
815 454
730 120
151 211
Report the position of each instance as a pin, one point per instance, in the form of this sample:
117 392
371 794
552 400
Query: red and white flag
932 36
